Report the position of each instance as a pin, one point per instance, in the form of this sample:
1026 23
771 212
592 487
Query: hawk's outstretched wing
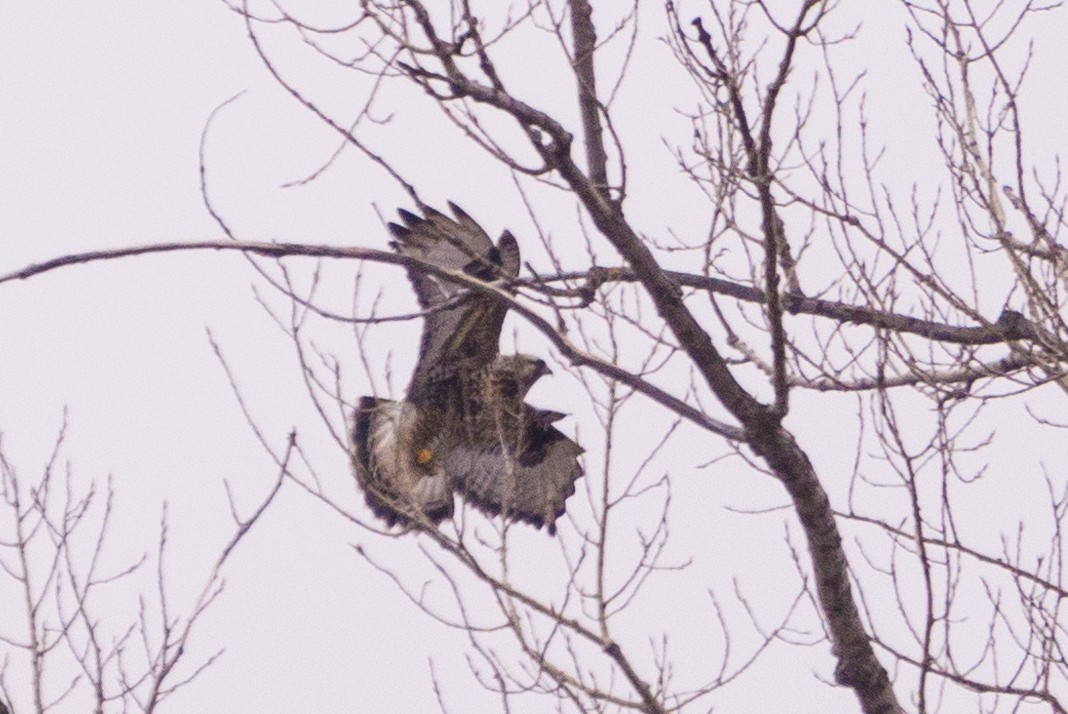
462 329
530 484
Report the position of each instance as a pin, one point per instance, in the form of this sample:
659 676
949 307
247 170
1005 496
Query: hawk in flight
464 426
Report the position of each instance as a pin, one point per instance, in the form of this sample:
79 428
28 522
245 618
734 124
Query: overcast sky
102 110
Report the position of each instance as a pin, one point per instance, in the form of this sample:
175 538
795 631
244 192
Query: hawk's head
512 376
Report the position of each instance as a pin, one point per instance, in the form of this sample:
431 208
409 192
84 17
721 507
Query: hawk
464 426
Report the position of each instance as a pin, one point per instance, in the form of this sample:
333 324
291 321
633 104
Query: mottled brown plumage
464 426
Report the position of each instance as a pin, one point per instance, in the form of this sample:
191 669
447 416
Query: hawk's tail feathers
392 491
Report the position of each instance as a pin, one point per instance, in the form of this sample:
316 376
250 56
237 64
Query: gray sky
102 107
